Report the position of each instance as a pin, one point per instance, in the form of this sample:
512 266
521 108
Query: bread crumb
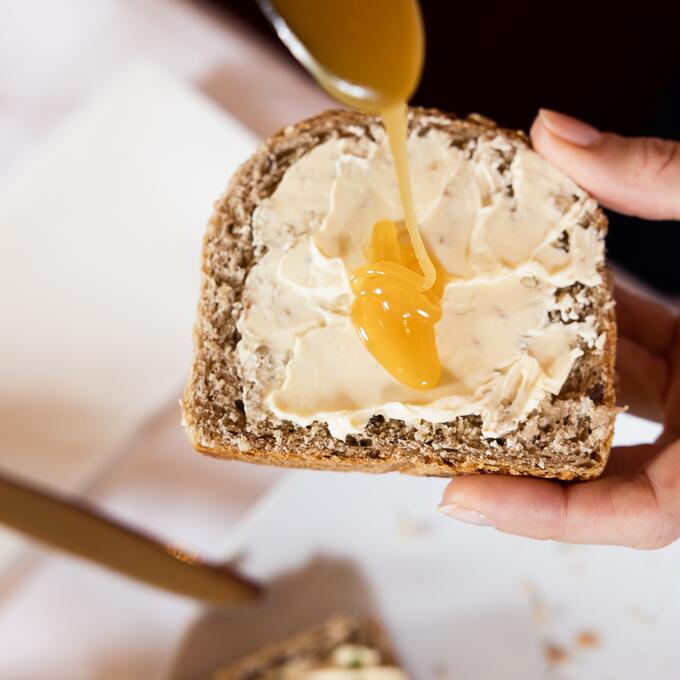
243 444
555 655
540 613
588 639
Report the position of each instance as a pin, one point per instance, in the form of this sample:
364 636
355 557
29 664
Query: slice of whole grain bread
567 436
314 645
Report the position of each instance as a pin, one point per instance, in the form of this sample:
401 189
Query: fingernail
464 514
569 129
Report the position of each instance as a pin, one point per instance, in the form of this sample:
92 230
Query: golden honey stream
369 54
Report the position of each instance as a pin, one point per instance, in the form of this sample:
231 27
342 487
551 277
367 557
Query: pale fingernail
464 514
569 129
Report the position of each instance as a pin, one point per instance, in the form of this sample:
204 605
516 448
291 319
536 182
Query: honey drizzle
368 54
395 122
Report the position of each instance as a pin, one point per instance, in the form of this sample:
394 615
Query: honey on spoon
369 55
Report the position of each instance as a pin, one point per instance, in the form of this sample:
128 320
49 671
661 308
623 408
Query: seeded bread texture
314 645
568 436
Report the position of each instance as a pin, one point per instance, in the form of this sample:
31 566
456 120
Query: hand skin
636 502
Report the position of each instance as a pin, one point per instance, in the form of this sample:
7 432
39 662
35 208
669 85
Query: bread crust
338 630
215 421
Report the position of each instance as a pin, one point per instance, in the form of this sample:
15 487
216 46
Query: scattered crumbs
555 655
540 613
440 671
410 528
587 639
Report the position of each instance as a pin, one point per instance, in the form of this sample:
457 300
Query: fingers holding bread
636 176
641 510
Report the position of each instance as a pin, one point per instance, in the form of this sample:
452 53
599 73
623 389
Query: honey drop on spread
393 314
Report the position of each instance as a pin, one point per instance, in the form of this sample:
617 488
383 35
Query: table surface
84 96
458 601
83 44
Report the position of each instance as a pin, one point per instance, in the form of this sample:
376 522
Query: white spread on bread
508 238
346 662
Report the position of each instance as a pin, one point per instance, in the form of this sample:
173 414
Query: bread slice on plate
527 334
344 647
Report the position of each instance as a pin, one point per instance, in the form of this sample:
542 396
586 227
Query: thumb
632 175
636 509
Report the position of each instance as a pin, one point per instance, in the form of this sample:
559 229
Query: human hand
636 502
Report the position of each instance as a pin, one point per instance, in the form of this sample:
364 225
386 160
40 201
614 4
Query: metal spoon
338 88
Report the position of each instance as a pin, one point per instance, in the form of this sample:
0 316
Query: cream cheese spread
508 237
347 662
